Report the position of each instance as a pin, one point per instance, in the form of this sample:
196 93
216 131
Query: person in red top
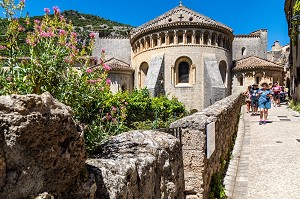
276 90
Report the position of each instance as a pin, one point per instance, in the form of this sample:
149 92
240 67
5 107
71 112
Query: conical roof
180 15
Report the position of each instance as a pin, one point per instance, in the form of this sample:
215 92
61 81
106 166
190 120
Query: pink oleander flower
56 10
89 70
74 34
21 29
113 108
36 21
62 32
2 47
101 89
22 1
108 117
62 17
106 67
92 35
122 107
103 50
114 120
47 10
99 80
108 81
126 103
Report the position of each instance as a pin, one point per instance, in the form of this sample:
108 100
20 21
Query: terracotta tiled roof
181 15
254 62
118 65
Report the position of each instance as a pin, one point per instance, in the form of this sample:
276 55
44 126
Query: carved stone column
194 37
175 37
166 38
184 37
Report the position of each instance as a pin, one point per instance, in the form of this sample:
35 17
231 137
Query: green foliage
295 106
47 65
296 23
218 189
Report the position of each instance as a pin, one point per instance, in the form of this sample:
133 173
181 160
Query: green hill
83 25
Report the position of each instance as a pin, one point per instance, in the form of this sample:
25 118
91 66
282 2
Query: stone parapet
191 131
139 164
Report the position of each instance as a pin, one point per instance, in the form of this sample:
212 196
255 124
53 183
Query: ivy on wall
296 23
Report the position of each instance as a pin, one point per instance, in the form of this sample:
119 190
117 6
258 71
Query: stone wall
255 43
139 164
115 47
191 132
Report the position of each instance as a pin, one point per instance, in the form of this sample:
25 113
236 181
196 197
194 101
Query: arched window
240 80
223 70
198 37
184 72
258 78
124 87
143 74
243 51
205 38
213 39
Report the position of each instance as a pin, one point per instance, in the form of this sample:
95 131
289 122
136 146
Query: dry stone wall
139 164
191 132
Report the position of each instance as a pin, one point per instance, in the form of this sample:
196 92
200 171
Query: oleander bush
54 51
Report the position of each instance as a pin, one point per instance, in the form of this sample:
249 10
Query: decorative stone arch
223 70
180 37
171 37
220 40
189 37
147 41
154 40
143 70
184 72
162 37
198 37
206 36
213 39
142 44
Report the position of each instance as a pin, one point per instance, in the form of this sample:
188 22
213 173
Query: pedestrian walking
254 99
264 101
247 95
276 90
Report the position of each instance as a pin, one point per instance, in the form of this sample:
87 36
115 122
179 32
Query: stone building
181 53
253 69
253 44
294 59
118 57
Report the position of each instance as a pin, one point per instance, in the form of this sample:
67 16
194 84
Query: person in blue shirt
254 99
264 102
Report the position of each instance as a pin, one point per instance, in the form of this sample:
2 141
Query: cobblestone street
265 163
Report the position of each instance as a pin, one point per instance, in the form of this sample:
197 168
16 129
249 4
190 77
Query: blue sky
243 16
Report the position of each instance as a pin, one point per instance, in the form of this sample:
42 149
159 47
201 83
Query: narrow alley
265 163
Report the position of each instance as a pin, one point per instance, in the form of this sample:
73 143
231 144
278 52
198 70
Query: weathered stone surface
41 148
191 131
139 164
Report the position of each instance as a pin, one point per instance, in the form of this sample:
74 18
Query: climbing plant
296 23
